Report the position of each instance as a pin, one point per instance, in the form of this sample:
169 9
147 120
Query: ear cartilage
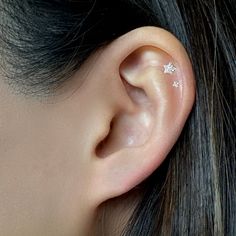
169 68
176 84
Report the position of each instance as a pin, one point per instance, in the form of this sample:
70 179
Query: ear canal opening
100 149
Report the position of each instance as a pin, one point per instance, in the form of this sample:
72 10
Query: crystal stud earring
169 68
176 84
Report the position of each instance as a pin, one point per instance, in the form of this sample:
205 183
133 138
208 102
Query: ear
152 89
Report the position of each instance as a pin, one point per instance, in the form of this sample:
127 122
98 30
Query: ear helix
159 75
158 59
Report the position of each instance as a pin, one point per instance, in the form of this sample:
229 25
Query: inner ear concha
126 130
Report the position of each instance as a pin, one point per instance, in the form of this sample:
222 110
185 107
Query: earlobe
155 80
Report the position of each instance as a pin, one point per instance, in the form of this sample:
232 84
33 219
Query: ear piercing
169 68
176 84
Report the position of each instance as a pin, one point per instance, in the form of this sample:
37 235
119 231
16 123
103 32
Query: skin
55 176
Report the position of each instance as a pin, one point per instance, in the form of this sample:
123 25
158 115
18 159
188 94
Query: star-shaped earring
176 84
169 68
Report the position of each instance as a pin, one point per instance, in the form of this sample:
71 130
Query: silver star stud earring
169 68
176 84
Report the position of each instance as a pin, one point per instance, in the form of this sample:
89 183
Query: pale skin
54 172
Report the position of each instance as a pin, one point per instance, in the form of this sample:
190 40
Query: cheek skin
43 158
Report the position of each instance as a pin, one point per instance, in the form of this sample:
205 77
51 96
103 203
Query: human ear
149 85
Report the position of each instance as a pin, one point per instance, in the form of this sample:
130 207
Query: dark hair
42 43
